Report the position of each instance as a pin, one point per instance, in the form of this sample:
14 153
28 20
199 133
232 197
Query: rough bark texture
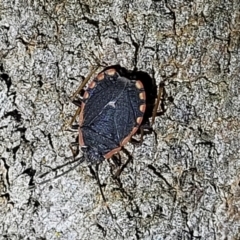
185 186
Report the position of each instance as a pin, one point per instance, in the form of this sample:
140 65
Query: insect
112 110
116 104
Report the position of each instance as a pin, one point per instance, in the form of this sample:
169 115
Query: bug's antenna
79 160
103 196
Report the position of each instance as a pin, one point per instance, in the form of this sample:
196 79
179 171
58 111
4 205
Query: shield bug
115 105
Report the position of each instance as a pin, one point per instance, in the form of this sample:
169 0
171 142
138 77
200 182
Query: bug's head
92 155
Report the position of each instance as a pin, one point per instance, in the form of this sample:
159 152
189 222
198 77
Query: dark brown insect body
113 108
117 104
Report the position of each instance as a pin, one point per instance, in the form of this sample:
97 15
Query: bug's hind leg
116 175
143 129
123 166
115 164
117 160
96 176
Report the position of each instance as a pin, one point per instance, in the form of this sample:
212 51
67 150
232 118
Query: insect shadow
116 105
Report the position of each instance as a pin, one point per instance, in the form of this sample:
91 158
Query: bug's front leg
78 101
82 85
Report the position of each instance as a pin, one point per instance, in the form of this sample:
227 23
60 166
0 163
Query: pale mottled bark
184 187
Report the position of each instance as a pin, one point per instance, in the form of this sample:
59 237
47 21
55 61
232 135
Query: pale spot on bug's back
112 104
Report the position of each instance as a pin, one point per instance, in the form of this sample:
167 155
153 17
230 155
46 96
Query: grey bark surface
185 186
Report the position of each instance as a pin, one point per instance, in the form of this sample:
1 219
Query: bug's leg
116 160
82 85
95 174
77 102
146 128
74 146
75 116
116 175
135 141
119 171
80 88
75 127
115 164
158 107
